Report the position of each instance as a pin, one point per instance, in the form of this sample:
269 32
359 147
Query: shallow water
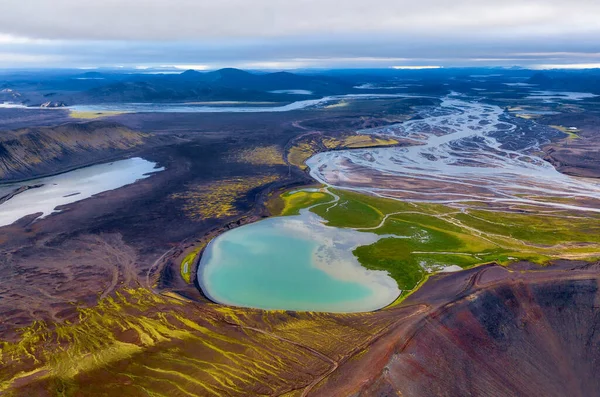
191 108
461 160
70 187
293 263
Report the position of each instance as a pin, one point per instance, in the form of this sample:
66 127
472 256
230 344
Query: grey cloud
320 33
194 20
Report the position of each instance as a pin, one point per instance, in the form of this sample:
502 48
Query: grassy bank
423 238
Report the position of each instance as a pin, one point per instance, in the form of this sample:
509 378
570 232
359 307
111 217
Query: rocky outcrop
578 154
579 158
53 104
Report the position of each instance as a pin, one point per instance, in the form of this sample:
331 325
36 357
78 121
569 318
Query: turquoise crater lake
293 263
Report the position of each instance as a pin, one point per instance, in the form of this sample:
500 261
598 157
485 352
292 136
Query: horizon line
143 69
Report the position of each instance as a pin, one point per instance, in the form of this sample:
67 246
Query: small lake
550 96
70 187
293 263
292 92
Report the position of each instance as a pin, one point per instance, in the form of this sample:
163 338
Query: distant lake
12 105
70 187
239 107
292 92
550 96
293 263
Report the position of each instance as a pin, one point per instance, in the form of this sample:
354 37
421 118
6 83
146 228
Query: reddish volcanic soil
515 332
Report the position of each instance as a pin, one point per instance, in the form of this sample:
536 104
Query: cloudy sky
298 33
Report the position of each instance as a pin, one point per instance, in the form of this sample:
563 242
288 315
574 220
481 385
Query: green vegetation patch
422 238
535 229
187 265
218 199
350 213
93 115
358 210
296 200
571 132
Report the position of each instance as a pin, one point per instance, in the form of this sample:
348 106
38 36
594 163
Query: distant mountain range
223 84
579 80
191 85
70 87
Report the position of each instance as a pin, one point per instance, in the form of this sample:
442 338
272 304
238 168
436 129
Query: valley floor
101 298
